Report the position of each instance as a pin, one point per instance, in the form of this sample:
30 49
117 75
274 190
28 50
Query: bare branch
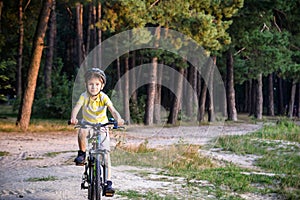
154 4
295 47
276 25
239 51
264 28
28 2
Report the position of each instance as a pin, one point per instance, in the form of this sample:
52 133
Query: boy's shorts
105 139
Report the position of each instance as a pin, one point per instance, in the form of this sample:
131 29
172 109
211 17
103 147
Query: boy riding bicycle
94 104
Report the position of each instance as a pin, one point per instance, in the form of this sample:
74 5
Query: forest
252 44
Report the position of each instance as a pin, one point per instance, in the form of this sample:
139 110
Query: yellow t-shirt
94 111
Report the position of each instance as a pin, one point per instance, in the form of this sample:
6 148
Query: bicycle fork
85 176
91 164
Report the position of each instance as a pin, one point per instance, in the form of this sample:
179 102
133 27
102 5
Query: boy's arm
115 114
74 114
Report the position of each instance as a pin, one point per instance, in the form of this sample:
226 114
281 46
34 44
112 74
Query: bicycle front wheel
91 180
98 180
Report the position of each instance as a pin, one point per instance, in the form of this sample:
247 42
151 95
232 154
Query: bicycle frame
96 169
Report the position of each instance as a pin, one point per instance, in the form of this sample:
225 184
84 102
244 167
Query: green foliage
263 34
138 111
60 104
6 78
204 21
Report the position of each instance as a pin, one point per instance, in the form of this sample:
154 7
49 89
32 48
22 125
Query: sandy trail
31 159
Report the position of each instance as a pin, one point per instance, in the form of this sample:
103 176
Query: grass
131 194
55 153
277 145
39 179
170 156
4 153
9 125
8 119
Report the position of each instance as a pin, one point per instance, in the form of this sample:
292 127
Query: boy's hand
121 122
73 121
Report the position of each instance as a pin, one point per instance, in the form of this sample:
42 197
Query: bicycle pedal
79 164
83 187
109 194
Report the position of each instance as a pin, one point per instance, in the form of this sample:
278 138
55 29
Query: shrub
60 104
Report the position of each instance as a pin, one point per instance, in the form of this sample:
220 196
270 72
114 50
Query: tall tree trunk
93 34
270 95
50 52
292 100
211 110
202 101
253 95
298 105
175 108
231 109
190 97
99 32
119 92
157 100
133 86
20 51
126 89
151 93
281 108
152 84
259 98
199 89
79 32
247 97
89 28
38 45
1 7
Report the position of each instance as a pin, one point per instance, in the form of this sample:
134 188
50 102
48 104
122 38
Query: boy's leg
109 191
80 159
108 166
82 133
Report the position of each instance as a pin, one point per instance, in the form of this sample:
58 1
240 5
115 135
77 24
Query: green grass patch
33 158
171 156
8 118
39 179
278 146
56 153
36 125
230 179
4 153
131 194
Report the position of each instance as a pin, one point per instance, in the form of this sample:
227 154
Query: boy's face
94 86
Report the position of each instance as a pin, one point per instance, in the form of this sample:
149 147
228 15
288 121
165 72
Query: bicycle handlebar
85 124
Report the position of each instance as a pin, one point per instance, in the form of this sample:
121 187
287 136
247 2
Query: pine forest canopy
262 37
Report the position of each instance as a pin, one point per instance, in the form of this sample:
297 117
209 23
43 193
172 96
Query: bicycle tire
98 181
91 181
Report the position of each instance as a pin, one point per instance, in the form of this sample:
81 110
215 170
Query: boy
94 104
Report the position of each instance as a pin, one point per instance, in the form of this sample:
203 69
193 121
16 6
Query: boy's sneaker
108 190
80 160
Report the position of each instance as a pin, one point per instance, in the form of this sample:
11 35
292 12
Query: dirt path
31 160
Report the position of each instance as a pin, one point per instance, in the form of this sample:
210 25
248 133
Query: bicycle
94 178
